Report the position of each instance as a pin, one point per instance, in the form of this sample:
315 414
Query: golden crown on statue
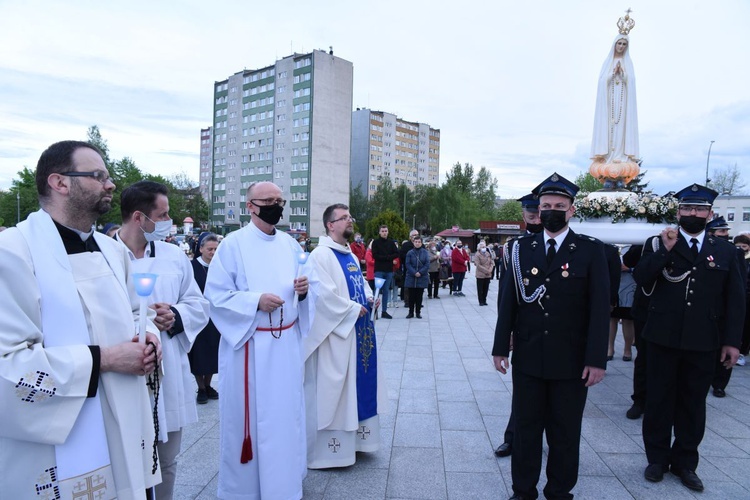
625 24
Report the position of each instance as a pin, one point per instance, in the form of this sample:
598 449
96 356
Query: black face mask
553 220
270 214
535 228
692 223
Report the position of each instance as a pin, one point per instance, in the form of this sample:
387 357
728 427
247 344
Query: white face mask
161 230
482 249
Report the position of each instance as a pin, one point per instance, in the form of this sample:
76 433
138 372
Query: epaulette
521 236
586 237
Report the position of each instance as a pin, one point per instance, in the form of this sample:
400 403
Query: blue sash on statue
367 401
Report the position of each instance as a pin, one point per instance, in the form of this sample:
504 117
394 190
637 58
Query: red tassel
247 450
247 443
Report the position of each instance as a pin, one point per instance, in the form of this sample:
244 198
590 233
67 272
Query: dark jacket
384 250
570 331
701 307
417 261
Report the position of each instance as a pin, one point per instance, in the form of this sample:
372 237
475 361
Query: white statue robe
43 422
334 432
615 134
247 264
175 285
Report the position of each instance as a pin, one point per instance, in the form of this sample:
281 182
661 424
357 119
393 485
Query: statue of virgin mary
614 147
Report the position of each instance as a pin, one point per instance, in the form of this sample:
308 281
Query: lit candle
301 261
144 286
379 282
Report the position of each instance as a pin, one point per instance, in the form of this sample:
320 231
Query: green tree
94 137
510 210
23 193
484 191
397 229
359 206
461 178
384 198
185 200
587 182
637 185
425 197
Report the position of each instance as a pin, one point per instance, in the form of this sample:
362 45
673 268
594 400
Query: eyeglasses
699 209
267 202
347 218
100 175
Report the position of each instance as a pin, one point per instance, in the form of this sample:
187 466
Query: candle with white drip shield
144 286
301 261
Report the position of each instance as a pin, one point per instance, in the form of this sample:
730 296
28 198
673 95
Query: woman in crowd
459 261
204 355
621 312
432 288
484 270
417 278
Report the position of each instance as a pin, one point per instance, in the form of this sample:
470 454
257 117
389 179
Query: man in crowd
76 411
530 214
555 303
251 286
695 314
359 250
344 387
384 251
181 312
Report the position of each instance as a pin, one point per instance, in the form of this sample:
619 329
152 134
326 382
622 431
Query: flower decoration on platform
644 206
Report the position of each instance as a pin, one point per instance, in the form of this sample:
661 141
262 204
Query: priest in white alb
76 418
252 283
181 313
344 387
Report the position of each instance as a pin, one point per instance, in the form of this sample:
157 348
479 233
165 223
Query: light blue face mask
161 230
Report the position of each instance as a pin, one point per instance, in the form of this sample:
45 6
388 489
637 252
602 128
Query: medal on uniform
565 272
534 271
711 262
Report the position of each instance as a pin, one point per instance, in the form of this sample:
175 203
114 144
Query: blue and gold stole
367 365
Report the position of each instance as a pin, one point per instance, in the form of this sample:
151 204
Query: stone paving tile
417 401
477 486
605 437
417 473
417 430
460 416
468 451
493 402
486 381
361 484
419 364
417 380
454 390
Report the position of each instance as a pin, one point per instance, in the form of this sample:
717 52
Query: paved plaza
448 411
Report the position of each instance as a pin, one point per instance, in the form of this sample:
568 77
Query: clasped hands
269 302
133 358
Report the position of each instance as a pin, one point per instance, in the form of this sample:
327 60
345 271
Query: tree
727 180
359 206
384 198
461 179
587 183
94 137
483 190
185 200
637 185
397 228
510 210
22 192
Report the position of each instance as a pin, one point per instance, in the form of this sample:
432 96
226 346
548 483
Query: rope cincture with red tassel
247 442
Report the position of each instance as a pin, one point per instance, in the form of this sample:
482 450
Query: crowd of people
94 403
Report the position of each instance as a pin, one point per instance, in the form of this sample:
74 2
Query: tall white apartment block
206 168
289 123
386 145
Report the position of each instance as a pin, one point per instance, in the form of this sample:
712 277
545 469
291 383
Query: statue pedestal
631 231
614 175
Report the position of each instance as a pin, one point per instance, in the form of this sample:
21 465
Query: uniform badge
565 272
534 271
526 282
711 262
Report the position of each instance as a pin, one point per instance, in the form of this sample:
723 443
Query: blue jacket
417 261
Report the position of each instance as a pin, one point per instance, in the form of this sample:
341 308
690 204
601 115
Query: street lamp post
18 206
414 221
708 158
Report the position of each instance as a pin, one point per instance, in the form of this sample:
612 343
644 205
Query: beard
348 233
82 203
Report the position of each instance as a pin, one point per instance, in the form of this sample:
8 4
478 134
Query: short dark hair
209 238
140 197
328 213
56 159
383 227
742 238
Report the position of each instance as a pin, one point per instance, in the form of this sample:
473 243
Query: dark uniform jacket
571 330
705 309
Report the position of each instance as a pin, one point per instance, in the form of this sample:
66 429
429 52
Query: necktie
694 247
551 251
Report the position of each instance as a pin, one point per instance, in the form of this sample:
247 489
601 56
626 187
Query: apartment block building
289 123
206 166
385 145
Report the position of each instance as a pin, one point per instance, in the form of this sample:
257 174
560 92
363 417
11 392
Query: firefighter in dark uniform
556 304
530 214
695 313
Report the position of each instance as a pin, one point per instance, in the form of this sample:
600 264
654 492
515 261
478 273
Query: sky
510 85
